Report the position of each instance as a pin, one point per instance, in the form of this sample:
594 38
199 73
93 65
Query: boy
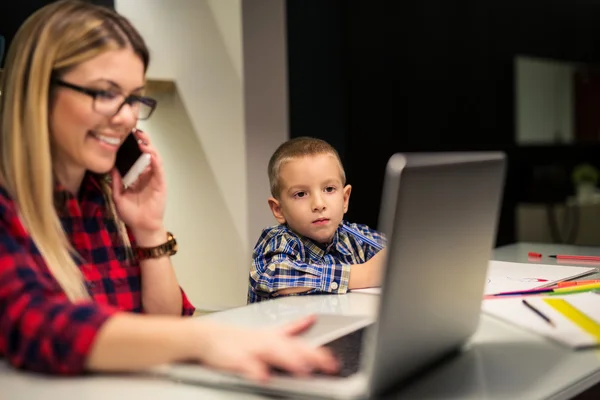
312 250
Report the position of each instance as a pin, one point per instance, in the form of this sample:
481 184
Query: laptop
439 212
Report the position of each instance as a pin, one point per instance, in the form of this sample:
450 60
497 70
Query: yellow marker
577 317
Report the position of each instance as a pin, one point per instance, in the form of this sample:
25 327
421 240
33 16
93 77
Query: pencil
575 289
538 312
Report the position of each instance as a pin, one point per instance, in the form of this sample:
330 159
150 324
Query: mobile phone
131 161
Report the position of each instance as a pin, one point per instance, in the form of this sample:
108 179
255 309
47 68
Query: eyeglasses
109 103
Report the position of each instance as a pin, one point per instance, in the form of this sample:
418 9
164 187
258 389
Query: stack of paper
574 319
510 276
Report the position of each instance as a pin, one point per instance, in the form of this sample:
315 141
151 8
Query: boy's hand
254 352
368 274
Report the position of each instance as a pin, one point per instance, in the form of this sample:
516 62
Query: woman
86 282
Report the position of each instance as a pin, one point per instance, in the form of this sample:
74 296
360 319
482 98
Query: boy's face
312 200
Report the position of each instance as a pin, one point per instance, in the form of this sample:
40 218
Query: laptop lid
439 212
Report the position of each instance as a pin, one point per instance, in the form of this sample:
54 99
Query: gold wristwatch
168 248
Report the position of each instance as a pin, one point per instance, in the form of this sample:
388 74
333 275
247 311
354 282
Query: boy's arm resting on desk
278 268
361 276
280 274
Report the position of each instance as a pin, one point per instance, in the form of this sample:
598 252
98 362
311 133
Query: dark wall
426 76
14 13
318 75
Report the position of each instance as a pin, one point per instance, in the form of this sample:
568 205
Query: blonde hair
51 41
297 148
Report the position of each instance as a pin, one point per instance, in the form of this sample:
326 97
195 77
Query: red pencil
582 258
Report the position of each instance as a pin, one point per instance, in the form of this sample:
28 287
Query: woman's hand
253 353
142 205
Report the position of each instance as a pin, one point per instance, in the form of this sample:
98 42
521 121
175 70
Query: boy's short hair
296 148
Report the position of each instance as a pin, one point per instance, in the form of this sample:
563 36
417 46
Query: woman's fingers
301 325
254 369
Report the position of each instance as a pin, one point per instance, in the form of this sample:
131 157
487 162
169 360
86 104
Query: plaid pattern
40 329
283 259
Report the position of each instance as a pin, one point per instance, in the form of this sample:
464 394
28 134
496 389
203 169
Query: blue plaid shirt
284 259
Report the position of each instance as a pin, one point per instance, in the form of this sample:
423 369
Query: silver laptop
439 212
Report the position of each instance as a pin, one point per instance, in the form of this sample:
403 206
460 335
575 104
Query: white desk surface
501 362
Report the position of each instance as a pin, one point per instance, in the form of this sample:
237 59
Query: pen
570 257
552 291
538 312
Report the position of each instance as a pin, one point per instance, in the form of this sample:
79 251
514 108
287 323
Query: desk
518 253
501 362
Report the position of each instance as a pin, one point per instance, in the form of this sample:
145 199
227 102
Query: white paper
505 276
509 276
512 310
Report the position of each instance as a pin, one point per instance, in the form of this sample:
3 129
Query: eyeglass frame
94 93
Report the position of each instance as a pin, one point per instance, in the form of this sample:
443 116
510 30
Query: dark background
13 13
378 77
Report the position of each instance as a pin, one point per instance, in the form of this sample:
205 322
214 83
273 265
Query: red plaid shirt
40 329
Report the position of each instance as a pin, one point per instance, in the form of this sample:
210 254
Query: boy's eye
300 195
330 189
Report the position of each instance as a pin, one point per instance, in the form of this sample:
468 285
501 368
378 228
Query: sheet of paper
512 310
509 276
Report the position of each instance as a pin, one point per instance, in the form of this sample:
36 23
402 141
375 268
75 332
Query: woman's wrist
132 342
150 238
200 333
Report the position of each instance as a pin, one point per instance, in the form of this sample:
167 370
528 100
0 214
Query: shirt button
334 285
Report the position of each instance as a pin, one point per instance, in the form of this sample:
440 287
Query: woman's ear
275 207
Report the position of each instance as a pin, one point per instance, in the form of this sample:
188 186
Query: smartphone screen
127 154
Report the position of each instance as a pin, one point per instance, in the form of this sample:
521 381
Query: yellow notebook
575 318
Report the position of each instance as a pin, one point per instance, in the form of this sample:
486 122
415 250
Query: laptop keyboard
347 349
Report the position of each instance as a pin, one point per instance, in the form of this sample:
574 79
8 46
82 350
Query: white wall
265 101
544 103
212 262
213 146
